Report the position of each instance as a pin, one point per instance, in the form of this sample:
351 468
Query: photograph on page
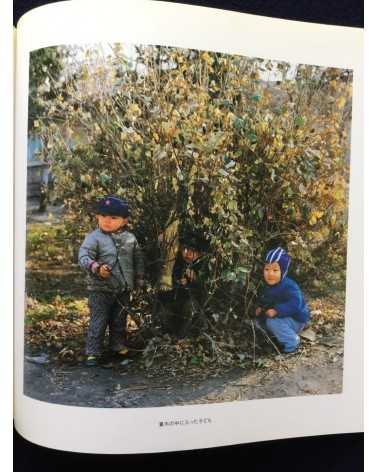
187 226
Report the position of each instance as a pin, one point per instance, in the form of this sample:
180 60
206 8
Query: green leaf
230 276
299 121
259 364
105 179
179 174
244 270
227 103
238 123
230 164
194 360
252 137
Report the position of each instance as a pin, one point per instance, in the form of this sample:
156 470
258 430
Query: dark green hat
194 240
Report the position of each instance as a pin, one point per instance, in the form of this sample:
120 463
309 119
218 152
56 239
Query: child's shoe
91 361
292 349
120 355
123 352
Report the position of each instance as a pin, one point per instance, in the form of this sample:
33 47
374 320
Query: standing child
282 307
112 259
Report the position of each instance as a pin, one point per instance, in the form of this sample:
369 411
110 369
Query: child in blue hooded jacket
281 306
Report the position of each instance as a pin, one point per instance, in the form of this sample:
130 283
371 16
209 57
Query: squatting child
281 309
113 261
178 307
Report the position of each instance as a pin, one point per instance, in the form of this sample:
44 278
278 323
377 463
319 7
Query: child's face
272 273
190 255
110 223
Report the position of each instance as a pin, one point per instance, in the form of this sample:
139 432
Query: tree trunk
170 246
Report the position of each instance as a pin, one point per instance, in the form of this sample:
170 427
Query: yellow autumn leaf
134 110
175 184
262 127
230 118
315 216
86 179
312 221
339 194
136 138
325 232
317 235
340 102
207 58
169 129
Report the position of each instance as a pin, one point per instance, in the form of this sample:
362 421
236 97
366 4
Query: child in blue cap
281 306
113 260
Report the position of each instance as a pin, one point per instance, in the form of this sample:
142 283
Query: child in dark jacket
281 306
179 308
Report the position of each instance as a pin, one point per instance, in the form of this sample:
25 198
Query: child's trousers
106 309
286 331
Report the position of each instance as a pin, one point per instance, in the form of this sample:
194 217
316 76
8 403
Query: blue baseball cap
111 205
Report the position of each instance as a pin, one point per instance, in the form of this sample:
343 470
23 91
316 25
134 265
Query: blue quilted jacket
287 299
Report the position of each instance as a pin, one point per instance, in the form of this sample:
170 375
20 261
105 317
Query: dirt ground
312 371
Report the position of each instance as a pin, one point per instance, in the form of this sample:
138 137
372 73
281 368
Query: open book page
188 190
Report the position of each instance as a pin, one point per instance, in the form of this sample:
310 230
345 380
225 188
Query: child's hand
258 311
271 313
190 275
104 271
183 281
